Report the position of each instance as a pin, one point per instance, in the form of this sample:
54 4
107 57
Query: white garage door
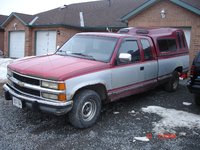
187 32
17 44
45 42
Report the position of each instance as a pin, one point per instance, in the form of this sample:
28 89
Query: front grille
26 90
26 79
21 80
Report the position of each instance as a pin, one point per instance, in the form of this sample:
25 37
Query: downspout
33 21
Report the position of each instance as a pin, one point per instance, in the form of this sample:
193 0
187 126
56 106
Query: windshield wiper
84 55
61 52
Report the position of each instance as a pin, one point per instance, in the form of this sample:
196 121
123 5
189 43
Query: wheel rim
89 110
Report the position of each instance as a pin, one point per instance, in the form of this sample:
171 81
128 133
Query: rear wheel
86 109
197 99
173 83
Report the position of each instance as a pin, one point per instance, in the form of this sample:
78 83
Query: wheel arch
99 88
179 69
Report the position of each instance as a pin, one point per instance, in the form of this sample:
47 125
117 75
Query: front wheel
173 83
86 109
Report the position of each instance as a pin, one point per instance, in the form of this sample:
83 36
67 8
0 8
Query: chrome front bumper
57 108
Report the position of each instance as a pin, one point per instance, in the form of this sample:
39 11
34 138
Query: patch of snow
144 139
115 113
131 112
3 68
172 118
187 104
182 134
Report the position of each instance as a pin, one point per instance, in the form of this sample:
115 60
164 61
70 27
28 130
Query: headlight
50 96
53 85
59 97
9 72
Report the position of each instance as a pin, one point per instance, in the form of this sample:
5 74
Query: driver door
128 76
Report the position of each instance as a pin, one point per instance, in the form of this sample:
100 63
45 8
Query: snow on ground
132 112
144 139
172 118
3 68
116 113
187 104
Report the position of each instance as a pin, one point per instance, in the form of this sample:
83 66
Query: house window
166 45
147 49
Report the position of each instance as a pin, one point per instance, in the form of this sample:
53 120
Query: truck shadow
41 123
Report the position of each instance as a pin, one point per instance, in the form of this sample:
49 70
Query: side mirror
125 57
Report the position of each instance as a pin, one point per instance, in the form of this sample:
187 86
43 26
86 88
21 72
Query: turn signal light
61 86
62 97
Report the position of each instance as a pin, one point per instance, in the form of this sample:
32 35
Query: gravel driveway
119 123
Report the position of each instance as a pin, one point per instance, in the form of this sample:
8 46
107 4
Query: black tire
86 109
197 99
173 83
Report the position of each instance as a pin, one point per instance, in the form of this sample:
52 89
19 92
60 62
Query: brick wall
1 40
65 34
176 16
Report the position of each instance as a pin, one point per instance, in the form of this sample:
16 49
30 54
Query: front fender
76 83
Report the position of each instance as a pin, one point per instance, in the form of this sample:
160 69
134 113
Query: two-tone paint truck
94 68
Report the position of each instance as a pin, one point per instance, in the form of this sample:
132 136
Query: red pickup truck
93 68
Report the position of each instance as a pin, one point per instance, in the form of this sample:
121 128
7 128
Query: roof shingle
96 14
2 19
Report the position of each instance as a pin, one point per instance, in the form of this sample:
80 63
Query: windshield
89 47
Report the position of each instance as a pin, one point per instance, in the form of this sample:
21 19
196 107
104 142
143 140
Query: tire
86 109
173 83
197 99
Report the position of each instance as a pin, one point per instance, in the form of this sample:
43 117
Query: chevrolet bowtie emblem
21 84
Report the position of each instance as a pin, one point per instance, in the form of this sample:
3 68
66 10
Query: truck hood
56 67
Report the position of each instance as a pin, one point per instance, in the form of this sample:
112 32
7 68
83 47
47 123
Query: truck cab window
183 38
179 39
147 49
130 47
167 45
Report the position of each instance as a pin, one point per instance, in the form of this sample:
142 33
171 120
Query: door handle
142 68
